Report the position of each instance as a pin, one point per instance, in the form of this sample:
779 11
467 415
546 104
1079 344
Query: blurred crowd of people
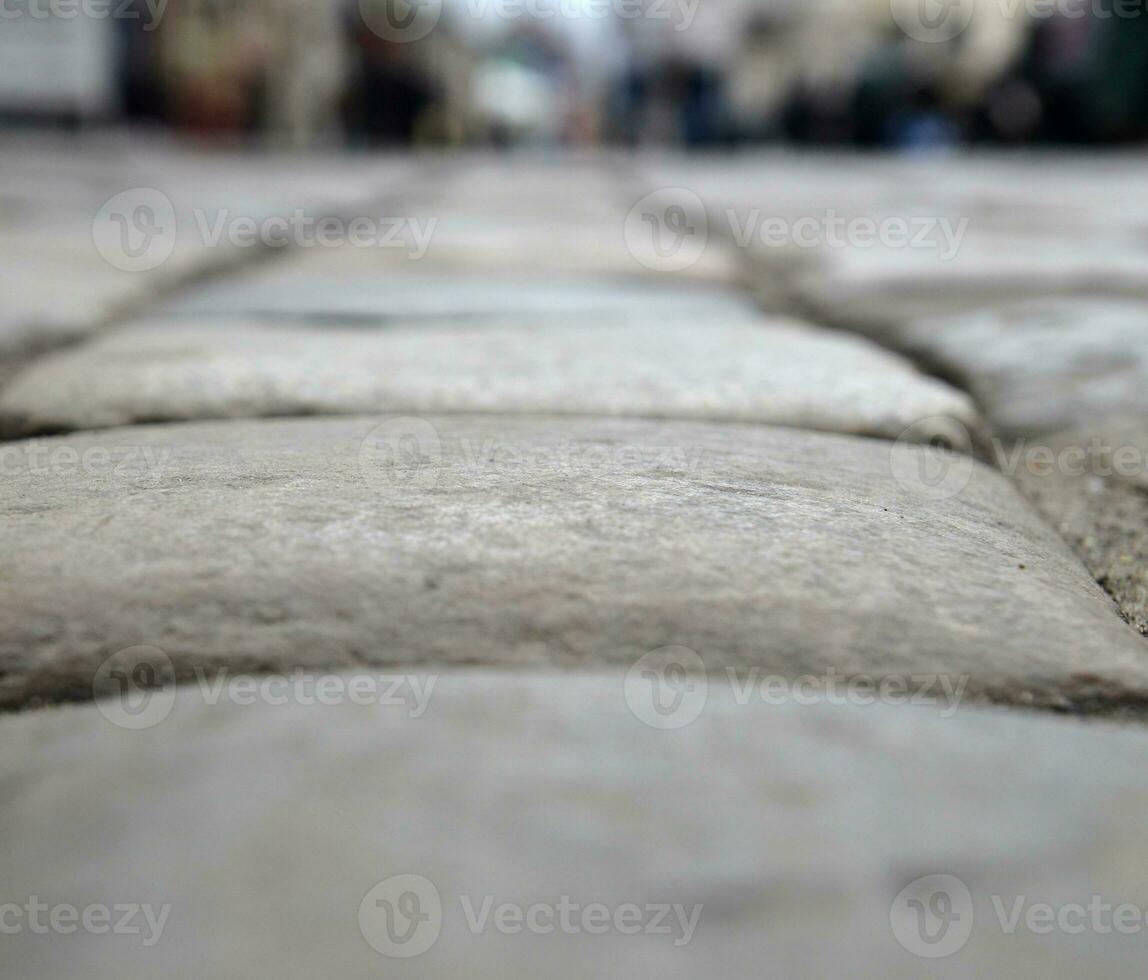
679 72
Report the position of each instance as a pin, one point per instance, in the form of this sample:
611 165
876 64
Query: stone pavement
476 533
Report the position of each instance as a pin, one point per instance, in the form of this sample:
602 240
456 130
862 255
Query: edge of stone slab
1083 696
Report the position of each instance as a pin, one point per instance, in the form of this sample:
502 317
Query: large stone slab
503 540
266 840
427 296
1046 365
769 371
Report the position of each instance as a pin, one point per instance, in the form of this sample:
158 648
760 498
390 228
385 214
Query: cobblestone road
396 549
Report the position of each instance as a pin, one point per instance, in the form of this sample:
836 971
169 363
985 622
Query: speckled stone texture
578 543
769 371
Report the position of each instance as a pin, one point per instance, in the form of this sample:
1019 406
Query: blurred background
892 74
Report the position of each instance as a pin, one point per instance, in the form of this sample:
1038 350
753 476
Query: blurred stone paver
1045 365
86 238
810 837
772 371
578 543
277 291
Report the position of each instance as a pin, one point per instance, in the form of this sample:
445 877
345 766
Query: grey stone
493 243
769 371
408 296
270 830
878 289
1046 365
509 540
1092 486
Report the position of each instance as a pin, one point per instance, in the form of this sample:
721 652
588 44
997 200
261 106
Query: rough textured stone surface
775 372
519 541
407 296
268 827
1046 365
1093 488
1065 383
